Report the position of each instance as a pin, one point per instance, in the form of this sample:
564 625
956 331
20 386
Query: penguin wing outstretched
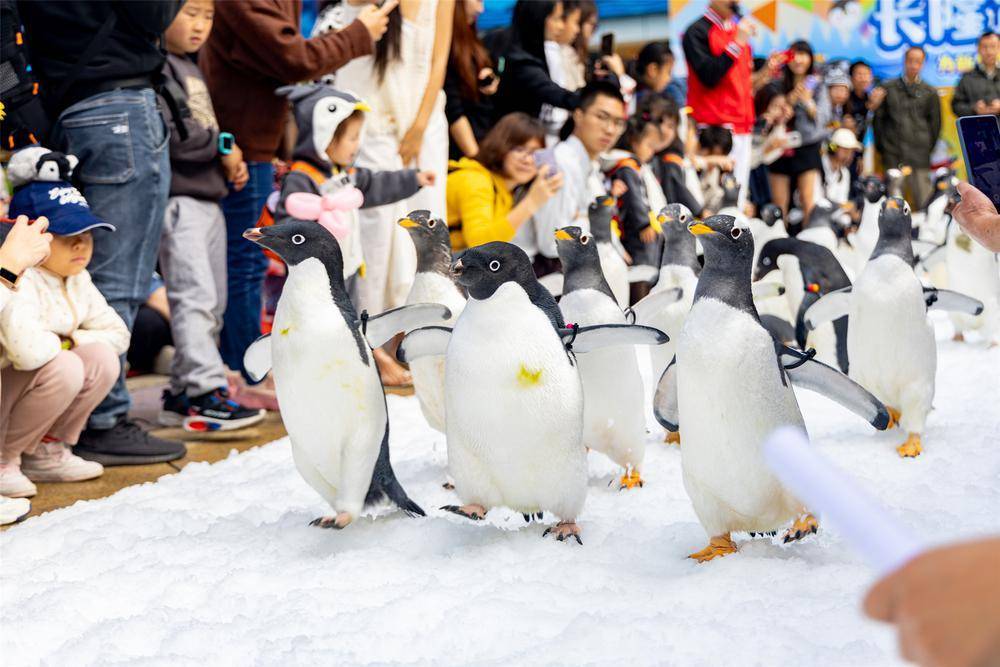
424 342
587 339
257 358
378 329
766 290
553 282
944 299
665 398
830 307
804 371
653 304
642 273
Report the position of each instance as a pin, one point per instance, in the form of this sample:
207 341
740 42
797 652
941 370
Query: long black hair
389 48
528 25
787 77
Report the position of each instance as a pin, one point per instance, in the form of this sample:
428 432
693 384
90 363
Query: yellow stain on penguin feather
527 377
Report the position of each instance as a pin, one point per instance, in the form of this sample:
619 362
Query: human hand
426 178
745 31
981 107
775 62
994 107
978 217
618 188
409 146
647 235
376 19
875 98
544 187
494 84
613 63
235 168
26 245
945 605
724 162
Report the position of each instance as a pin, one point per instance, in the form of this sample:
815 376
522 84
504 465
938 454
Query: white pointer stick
826 490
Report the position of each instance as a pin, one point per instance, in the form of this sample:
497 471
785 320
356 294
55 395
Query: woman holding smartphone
470 83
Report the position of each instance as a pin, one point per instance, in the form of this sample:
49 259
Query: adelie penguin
513 397
614 420
327 383
730 388
890 343
433 283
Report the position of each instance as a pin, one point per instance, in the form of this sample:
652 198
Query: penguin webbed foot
338 522
911 448
673 438
529 516
630 480
472 512
564 531
803 526
894 417
718 546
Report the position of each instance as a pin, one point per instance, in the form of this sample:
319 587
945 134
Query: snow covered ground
217 565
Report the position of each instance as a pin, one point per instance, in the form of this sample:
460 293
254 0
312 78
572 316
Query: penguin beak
607 201
563 235
906 171
891 203
457 267
253 234
361 106
700 228
407 223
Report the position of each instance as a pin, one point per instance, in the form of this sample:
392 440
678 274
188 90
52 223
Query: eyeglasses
605 119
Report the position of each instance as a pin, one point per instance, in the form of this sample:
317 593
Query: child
837 185
59 348
653 70
329 125
193 246
668 165
712 158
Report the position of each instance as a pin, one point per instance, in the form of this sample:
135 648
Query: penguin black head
483 269
873 189
298 240
770 214
730 189
678 244
431 239
822 215
767 260
601 212
728 249
581 263
894 230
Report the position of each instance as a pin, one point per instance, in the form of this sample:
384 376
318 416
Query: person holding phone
978 91
470 83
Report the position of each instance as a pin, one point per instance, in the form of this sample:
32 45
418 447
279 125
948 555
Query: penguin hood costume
433 283
730 388
513 398
327 382
319 111
890 343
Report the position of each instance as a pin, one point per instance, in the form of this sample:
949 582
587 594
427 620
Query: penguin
329 108
935 224
973 270
729 205
513 396
433 283
602 212
730 387
864 239
613 419
770 225
890 343
895 180
327 383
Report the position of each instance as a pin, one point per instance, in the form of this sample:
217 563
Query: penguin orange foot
718 546
959 337
338 522
803 526
565 531
911 448
894 416
673 438
630 480
474 512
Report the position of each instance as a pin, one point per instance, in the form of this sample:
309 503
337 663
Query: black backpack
24 121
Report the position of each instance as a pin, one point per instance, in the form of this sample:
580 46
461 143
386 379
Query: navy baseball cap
65 207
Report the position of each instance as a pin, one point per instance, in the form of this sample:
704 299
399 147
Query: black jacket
670 174
634 210
60 32
907 124
478 112
972 87
525 86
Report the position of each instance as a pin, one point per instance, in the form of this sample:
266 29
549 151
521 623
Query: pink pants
54 400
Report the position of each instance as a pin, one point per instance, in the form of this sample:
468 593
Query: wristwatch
226 143
8 278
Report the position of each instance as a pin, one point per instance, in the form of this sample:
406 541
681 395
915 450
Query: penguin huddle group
522 385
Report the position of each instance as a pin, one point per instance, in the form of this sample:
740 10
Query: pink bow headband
330 210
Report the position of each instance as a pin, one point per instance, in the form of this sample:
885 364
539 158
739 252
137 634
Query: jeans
246 264
124 172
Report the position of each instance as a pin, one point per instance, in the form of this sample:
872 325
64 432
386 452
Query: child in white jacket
59 347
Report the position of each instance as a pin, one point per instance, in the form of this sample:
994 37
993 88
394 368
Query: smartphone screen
979 137
546 156
608 44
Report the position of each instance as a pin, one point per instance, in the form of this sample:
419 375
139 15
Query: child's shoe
13 483
13 510
213 411
54 462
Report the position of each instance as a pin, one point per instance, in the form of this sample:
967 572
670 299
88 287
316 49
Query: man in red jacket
720 89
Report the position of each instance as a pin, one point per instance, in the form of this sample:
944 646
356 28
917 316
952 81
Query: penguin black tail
385 485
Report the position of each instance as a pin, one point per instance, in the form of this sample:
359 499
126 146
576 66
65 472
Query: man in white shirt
596 125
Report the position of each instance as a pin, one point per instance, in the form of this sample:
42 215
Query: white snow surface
217 565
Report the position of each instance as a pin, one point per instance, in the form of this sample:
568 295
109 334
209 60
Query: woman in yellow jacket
481 190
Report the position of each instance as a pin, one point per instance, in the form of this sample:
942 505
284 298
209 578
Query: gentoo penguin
770 225
328 385
729 204
731 387
894 181
601 212
613 418
973 270
513 397
934 228
890 343
433 283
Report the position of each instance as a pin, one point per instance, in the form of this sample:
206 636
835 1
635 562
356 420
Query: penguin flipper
588 339
257 358
553 282
378 329
804 371
766 289
665 398
424 342
830 307
642 273
653 303
946 299
385 485
780 329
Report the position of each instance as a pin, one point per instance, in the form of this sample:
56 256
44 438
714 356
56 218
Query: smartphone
794 139
979 137
608 44
547 157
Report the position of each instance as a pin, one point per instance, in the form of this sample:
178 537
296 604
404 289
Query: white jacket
45 307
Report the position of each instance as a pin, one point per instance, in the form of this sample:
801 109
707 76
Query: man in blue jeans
97 64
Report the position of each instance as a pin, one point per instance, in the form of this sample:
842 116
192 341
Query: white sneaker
13 483
13 510
54 462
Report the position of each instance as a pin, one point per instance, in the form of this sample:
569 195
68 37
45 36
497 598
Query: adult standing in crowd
865 97
907 125
97 64
470 83
577 54
481 190
978 91
256 47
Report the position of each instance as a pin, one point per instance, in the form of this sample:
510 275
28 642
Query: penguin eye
584 240
736 232
332 108
766 261
298 239
683 217
494 266
432 223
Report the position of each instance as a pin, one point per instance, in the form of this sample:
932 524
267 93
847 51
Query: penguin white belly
890 343
671 319
515 409
614 422
866 237
823 339
615 272
791 278
730 398
428 372
332 403
973 270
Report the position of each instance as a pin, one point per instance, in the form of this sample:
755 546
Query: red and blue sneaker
213 411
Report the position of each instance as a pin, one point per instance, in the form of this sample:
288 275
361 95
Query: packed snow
218 565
